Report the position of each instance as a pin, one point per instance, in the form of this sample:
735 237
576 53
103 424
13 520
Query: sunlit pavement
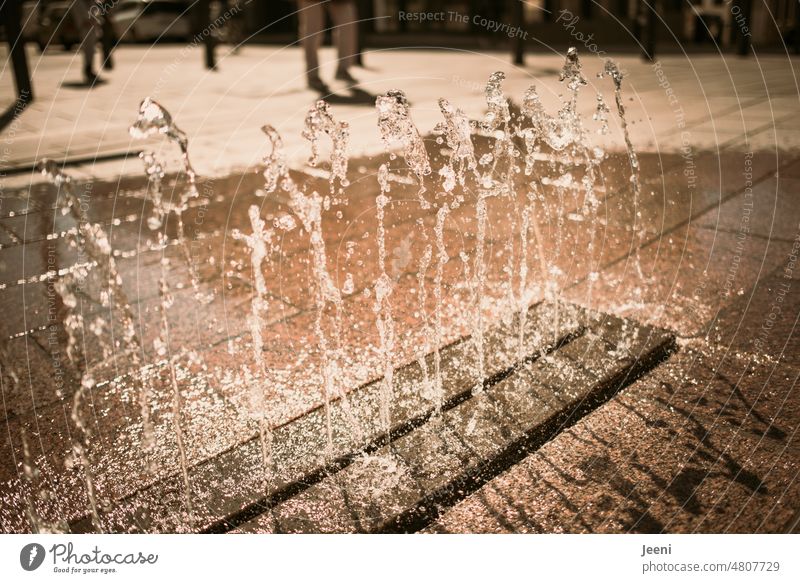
721 102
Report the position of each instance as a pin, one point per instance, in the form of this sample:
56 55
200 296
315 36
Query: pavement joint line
256 508
416 519
710 116
509 427
746 135
30 167
751 234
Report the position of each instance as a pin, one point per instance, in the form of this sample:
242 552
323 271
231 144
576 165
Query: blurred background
615 24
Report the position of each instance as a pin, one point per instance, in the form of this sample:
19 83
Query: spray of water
162 345
497 172
258 242
154 119
456 132
383 306
528 137
398 129
441 260
428 389
320 121
612 70
92 242
308 209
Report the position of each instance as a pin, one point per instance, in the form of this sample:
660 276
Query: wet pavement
704 443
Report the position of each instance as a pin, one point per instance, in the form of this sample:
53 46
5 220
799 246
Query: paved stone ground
707 443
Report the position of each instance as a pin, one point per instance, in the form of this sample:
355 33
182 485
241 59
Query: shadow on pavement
83 84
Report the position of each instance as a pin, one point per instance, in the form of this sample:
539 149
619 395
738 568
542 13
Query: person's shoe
315 83
90 76
344 75
108 63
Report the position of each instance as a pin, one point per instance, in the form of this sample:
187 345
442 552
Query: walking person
109 40
83 13
344 15
235 33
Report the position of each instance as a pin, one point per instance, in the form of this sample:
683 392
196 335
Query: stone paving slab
707 443
410 481
299 446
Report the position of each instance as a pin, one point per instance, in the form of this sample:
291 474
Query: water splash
556 132
383 306
531 223
155 119
572 72
457 133
438 329
498 113
275 168
320 121
154 172
92 242
428 389
612 70
308 209
534 137
479 283
161 344
397 128
601 112
258 242
563 133
497 177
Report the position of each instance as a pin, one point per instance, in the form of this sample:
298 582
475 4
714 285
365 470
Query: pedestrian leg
345 22
84 22
312 22
109 40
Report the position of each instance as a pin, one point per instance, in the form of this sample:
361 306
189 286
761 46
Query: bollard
16 46
202 19
742 20
518 44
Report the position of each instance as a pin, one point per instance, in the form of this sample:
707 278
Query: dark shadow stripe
262 505
431 507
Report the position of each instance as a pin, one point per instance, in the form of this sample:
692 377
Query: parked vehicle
151 20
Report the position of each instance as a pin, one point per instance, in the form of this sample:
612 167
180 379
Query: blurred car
56 25
150 20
